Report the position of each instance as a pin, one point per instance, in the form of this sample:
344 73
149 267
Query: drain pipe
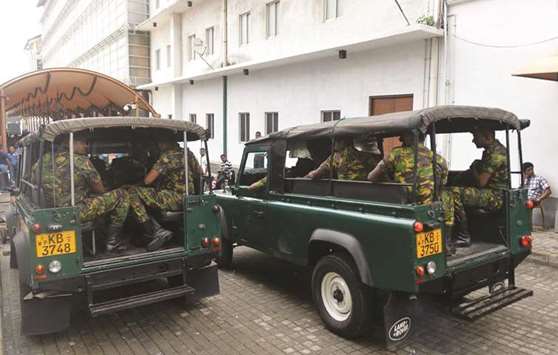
446 77
225 79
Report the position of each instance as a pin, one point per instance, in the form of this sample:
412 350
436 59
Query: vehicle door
251 215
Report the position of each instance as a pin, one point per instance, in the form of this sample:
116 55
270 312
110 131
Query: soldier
490 175
347 163
399 167
87 181
168 194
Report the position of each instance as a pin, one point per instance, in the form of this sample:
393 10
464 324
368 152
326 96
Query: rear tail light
39 269
216 242
420 271
36 227
526 241
54 266
530 204
205 242
418 226
431 267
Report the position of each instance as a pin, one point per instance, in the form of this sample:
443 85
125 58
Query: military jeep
61 261
375 252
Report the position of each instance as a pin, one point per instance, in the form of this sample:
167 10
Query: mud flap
400 319
44 313
205 281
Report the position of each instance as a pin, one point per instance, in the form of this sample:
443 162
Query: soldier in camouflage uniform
347 163
87 181
490 175
399 167
169 193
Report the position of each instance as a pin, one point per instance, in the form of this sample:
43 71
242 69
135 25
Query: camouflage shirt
171 167
350 164
400 166
57 190
494 162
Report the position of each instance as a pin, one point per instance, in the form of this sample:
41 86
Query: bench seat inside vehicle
359 190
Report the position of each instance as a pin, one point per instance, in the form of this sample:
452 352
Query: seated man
490 175
87 183
347 163
538 187
399 167
168 194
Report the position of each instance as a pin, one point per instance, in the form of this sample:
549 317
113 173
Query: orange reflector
216 242
39 269
36 227
530 204
526 241
420 271
418 227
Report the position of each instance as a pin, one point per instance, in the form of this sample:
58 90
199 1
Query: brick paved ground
265 308
545 247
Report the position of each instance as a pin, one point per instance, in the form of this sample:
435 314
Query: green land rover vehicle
61 262
375 253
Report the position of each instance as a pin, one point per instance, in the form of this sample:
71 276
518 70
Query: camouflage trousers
141 197
488 199
449 207
114 203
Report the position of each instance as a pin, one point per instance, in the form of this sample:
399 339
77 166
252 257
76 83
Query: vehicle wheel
341 298
225 257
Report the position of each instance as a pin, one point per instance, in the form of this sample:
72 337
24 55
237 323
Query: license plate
429 243
59 243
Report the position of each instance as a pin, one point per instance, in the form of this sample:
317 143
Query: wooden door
387 104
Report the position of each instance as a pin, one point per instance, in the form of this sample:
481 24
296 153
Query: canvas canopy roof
51 131
57 92
447 118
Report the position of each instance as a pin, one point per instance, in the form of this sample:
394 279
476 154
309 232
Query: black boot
462 237
450 245
159 237
114 242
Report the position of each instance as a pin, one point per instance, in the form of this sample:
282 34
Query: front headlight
54 266
431 267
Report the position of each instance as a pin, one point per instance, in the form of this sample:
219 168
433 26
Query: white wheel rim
336 296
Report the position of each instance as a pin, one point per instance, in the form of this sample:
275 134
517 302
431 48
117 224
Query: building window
271 122
244 126
210 40
244 27
191 48
272 18
158 59
332 115
330 9
168 55
193 118
210 125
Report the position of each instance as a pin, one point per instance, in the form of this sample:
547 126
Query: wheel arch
323 241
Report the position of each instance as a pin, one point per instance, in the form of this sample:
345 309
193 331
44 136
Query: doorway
388 104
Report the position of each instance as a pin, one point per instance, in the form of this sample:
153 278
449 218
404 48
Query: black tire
225 257
353 321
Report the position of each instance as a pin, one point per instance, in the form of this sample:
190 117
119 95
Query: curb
543 259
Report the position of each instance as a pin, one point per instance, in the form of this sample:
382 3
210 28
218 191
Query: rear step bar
482 306
139 300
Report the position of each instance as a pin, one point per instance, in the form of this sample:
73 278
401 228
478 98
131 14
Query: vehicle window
255 168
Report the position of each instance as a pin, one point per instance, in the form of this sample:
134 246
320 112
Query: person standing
538 187
14 158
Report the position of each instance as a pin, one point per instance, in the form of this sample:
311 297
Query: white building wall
300 92
163 97
481 72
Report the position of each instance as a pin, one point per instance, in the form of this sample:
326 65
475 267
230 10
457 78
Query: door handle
259 214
